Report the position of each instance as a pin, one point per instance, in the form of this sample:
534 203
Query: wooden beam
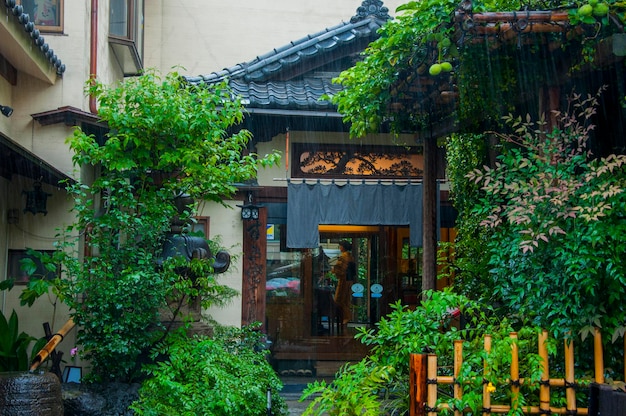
417 384
429 276
498 17
254 269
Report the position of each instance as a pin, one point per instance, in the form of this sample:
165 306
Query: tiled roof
283 78
38 40
302 94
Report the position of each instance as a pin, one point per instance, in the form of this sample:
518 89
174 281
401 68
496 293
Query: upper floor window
126 34
47 15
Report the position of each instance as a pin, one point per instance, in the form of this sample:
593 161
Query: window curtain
309 205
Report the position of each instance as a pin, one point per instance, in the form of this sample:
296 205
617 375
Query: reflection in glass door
363 286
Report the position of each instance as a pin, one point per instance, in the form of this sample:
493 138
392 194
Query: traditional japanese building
328 188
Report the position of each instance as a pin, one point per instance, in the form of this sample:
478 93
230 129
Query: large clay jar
30 394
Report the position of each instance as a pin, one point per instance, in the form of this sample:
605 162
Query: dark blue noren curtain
309 205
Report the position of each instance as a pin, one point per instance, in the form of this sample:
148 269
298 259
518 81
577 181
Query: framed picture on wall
15 269
47 15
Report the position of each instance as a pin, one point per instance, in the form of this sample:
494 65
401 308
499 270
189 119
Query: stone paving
292 391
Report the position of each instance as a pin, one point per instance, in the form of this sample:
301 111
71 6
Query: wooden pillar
417 384
429 268
549 101
254 269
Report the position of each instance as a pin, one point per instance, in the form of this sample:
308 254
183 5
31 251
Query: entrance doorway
303 320
365 286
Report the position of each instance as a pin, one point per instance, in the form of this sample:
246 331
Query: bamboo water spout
52 344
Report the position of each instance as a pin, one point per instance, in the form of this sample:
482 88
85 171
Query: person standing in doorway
345 271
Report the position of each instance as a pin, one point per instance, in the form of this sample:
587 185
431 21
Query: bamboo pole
530 16
486 392
598 357
515 383
417 384
458 361
51 345
570 393
544 389
445 379
510 28
432 385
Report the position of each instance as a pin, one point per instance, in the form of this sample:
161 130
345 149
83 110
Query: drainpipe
93 53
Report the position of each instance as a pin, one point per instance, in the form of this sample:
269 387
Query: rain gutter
93 54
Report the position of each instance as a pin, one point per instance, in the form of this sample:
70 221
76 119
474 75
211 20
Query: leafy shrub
556 217
224 375
378 384
14 345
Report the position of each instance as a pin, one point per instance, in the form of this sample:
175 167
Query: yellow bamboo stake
598 356
51 345
486 392
445 379
432 385
515 383
570 393
544 389
458 361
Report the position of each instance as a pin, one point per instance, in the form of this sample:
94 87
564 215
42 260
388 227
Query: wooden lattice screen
424 381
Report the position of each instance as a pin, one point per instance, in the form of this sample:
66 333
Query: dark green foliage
464 153
222 375
13 345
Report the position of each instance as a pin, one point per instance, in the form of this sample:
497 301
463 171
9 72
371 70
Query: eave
24 48
16 160
70 116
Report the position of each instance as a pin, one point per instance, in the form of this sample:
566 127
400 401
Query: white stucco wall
225 226
36 232
206 36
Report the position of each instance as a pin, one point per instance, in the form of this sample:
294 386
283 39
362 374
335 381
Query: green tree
166 139
400 62
556 254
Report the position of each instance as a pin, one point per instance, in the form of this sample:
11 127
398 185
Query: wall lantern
36 199
249 211
6 110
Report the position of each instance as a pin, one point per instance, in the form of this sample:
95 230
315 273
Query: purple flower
74 351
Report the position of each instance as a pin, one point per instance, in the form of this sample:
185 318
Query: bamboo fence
424 381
